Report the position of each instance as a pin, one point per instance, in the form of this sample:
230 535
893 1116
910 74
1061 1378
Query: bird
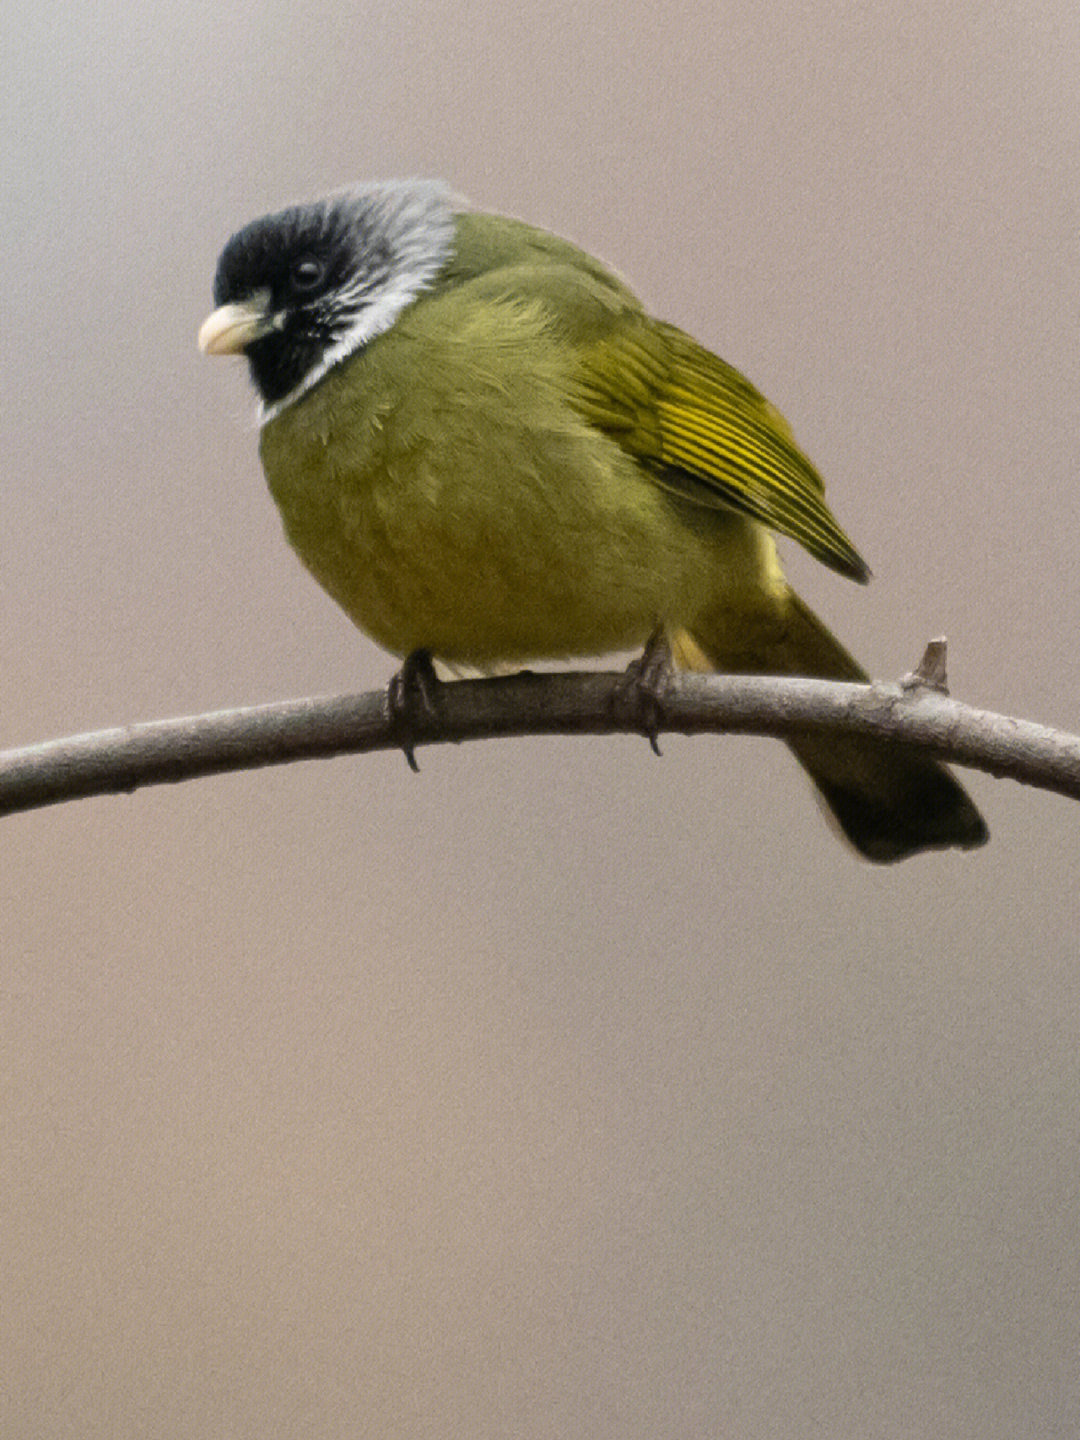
487 451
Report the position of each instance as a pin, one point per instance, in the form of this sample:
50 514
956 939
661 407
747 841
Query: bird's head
298 291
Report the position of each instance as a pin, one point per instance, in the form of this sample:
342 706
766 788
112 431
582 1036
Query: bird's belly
485 558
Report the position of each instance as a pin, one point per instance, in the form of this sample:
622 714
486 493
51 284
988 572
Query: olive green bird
484 448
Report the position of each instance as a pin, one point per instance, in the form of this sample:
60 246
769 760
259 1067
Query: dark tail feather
890 802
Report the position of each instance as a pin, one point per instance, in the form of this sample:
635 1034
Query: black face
321 266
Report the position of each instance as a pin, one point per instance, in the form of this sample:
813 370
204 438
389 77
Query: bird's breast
480 522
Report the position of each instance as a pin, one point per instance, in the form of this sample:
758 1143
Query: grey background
560 1090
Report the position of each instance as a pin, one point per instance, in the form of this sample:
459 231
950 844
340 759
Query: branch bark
576 703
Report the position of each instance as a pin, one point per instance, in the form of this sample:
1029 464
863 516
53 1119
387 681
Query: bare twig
577 703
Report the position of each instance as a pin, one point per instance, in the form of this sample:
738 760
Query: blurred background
558 1090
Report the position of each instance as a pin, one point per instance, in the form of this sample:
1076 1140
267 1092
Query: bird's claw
412 692
644 686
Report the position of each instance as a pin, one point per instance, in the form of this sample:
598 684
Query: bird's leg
645 684
412 691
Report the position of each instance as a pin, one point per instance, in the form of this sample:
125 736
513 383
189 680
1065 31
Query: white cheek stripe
372 321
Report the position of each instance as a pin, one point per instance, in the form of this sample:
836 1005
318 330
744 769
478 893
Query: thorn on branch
930 673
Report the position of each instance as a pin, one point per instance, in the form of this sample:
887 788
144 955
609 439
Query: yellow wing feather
710 435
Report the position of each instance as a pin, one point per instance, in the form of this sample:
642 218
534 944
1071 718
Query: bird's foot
645 683
411 692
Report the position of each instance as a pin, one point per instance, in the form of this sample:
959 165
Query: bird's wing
708 434
700 429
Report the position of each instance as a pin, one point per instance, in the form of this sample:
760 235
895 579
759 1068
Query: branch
915 713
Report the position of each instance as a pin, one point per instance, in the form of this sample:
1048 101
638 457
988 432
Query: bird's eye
306 274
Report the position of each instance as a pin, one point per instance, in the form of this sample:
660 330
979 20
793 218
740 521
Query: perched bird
485 448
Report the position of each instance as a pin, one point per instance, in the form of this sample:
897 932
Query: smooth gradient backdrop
560 1090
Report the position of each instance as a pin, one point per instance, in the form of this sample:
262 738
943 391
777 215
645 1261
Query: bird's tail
888 801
